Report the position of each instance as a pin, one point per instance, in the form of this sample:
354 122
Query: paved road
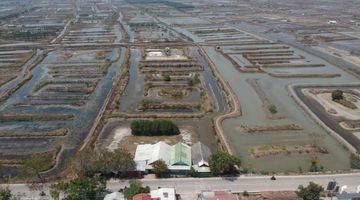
188 187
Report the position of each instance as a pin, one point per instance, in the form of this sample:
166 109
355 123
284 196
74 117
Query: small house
163 194
217 195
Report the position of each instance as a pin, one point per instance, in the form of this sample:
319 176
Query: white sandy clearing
341 111
186 136
345 126
120 133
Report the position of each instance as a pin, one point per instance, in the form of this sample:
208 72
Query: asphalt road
189 187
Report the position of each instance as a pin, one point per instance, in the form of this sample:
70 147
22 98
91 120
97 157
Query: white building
163 194
179 157
147 154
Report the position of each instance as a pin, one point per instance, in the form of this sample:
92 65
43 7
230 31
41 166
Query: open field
248 77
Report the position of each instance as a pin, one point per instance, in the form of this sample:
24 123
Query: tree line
154 128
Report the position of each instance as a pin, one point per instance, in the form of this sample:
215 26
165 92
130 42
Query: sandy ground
345 126
123 138
337 109
120 133
357 134
340 53
159 55
166 58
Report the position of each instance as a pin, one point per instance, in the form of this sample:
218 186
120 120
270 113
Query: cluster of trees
310 192
80 189
160 169
34 165
154 128
135 188
222 163
92 169
104 163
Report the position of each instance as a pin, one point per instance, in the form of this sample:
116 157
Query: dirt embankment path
235 109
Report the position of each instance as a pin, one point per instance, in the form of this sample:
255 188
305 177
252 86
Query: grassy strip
275 150
50 156
34 117
53 133
14 89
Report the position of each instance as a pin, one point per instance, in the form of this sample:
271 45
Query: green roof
180 154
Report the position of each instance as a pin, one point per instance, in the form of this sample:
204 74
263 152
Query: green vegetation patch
146 103
176 93
154 128
193 80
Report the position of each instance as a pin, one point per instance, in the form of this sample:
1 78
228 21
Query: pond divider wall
235 109
291 89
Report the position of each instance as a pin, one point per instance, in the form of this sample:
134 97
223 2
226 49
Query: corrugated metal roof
180 154
160 152
200 154
146 154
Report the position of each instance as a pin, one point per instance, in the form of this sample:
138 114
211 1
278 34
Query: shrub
355 161
315 166
160 169
154 128
272 109
166 77
5 194
337 95
146 103
193 80
246 193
